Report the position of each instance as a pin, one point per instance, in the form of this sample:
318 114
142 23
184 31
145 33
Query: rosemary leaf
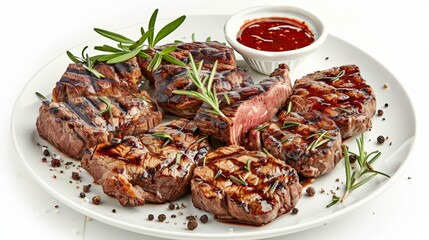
162 135
247 166
263 126
169 28
73 58
152 25
113 36
289 107
173 60
238 180
108 105
124 57
335 200
218 173
107 48
289 124
201 139
39 95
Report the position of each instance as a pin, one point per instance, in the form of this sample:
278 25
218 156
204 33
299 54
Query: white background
35 32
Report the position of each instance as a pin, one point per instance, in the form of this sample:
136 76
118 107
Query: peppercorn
192 224
86 188
380 112
204 218
310 191
161 217
352 158
96 200
46 152
171 206
386 105
75 176
150 217
295 211
380 139
55 162
113 210
82 195
190 217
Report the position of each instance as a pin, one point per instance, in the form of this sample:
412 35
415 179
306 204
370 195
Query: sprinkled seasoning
82 195
204 218
295 211
161 217
171 206
113 210
75 176
380 112
310 191
55 162
86 188
380 139
192 224
96 200
150 217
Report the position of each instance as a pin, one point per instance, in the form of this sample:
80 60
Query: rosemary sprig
108 105
207 92
262 127
289 124
218 173
358 177
238 180
274 186
321 139
142 98
333 78
289 107
127 48
40 96
165 136
247 166
86 61
285 139
201 139
335 200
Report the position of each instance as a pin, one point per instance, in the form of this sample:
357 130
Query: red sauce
275 34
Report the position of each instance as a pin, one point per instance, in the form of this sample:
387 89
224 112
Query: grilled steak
208 52
82 122
297 139
249 107
121 79
245 186
339 93
155 167
170 77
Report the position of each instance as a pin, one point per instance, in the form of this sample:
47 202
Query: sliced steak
82 122
249 107
121 79
208 52
154 167
291 137
339 93
170 77
245 186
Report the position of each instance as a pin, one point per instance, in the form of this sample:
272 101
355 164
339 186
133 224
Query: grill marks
292 142
255 195
121 79
77 124
148 168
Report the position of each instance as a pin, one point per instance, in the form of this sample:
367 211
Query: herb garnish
108 105
238 180
207 92
321 139
163 135
247 166
86 61
262 127
39 95
219 172
333 78
364 160
289 124
289 107
274 186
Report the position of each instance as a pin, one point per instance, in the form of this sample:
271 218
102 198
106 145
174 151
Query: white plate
399 126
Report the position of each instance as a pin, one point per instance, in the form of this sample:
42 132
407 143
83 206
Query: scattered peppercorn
82 195
113 210
204 218
56 206
46 152
310 191
383 119
75 176
386 85
192 224
86 188
322 190
182 205
61 171
150 217
190 217
44 159
173 215
295 211
326 58
68 163
386 105
390 144
161 217
380 139
380 112
96 200
352 158
55 162
171 206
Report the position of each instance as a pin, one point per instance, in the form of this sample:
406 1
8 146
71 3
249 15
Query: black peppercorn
82 195
150 217
192 224
295 211
380 139
204 218
96 200
86 188
380 112
46 152
171 206
161 217
75 176
55 162
310 191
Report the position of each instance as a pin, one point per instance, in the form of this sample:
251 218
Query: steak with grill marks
170 77
120 79
83 122
249 106
208 52
339 93
155 167
246 186
291 137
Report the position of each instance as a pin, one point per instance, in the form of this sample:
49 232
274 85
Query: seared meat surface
339 93
245 186
82 122
121 79
291 137
249 106
170 77
155 167
208 52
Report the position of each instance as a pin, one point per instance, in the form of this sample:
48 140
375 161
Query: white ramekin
264 61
